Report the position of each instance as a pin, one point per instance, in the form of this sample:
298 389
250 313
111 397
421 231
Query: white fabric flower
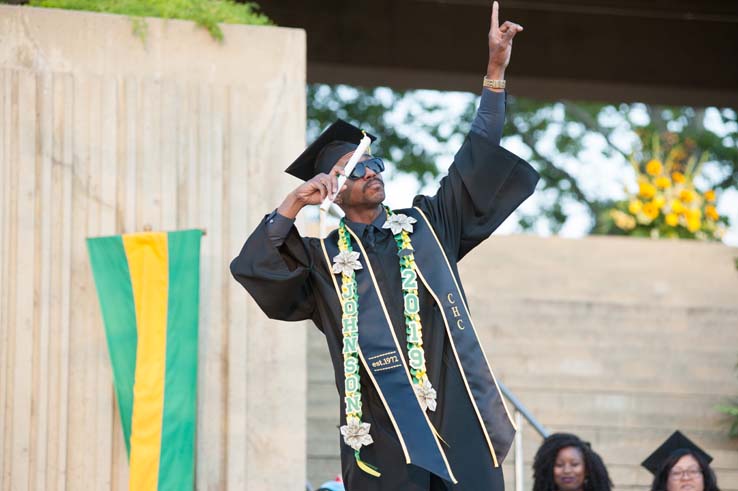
346 262
399 222
356 434
426 395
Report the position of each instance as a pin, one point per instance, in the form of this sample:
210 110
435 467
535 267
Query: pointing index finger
495 16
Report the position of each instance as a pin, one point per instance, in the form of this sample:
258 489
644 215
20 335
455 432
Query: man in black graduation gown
456 439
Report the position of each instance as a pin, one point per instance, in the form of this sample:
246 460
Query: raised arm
486 182
490 116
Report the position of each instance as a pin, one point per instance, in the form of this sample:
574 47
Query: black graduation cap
336 141
676 441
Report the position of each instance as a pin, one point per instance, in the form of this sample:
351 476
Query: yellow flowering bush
666 202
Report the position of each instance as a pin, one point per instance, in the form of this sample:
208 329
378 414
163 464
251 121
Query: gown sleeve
276 276
485 183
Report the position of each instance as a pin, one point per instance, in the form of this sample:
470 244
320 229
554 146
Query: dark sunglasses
376 165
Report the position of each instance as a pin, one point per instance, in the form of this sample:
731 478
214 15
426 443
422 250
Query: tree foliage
416 130
730 410
412 136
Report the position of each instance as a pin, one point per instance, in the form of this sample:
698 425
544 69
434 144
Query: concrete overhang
672 52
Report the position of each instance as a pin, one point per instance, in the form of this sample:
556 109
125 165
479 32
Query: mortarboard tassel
368 468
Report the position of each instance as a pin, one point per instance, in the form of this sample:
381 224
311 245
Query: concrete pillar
101 133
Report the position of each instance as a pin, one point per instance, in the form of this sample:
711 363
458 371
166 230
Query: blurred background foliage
730 410
417 129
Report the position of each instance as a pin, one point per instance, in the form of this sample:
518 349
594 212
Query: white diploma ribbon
363 145
347 170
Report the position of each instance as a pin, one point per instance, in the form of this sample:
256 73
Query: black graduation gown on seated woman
292 282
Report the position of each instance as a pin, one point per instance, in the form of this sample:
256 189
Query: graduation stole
369 338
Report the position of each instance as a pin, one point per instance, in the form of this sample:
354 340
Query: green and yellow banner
148 286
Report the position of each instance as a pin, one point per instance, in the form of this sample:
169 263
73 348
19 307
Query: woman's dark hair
662 474
596 476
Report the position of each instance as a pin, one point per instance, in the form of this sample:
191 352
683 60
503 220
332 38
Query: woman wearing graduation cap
680 465
420 407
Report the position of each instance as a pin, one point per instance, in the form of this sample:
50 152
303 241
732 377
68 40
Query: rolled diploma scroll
363 145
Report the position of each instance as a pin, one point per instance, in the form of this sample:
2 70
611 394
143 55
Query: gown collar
360 228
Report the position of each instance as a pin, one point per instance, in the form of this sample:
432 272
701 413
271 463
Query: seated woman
680 465
566 463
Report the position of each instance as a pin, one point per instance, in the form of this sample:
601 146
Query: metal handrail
521 412
520 407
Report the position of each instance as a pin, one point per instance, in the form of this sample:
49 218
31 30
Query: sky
597 175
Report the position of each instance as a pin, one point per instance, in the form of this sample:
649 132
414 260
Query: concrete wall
619 340
100 135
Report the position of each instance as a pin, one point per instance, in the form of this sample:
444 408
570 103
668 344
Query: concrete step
623 477
617 370
591 320
566 408
622 450
608 269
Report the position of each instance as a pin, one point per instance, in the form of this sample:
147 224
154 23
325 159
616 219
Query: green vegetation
561 139
731 411
205 13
